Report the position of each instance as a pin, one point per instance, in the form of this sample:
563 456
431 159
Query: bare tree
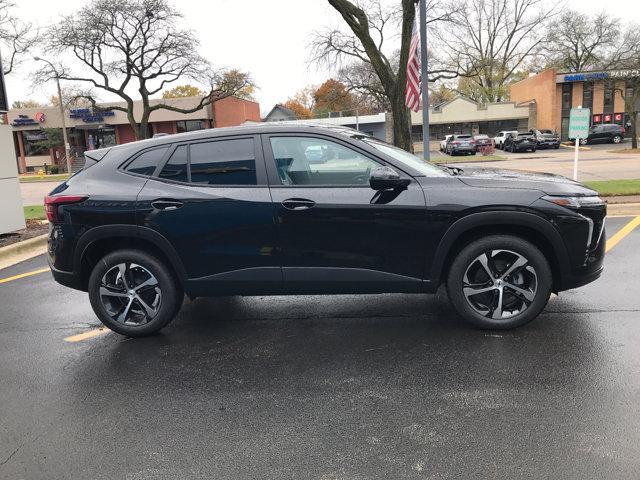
135 48
579 42
365 45
16 37
496 37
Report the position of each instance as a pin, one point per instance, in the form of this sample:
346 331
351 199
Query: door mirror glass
386 178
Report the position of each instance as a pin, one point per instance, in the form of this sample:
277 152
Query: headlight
574 202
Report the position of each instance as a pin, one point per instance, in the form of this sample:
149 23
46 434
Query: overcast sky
267 38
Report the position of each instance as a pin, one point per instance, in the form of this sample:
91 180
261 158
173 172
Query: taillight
472 142
51 204
624 131
456 142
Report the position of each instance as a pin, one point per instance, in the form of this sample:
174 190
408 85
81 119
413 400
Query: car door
211 201
335 233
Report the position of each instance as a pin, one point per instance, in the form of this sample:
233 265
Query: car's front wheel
616 139
499 282
134 293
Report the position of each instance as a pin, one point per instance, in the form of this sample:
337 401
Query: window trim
261 175
274 178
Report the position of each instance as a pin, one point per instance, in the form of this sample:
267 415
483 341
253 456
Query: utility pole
67 152
424 83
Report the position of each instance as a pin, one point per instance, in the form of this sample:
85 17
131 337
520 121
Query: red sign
40 117
597 119
618 117
607 118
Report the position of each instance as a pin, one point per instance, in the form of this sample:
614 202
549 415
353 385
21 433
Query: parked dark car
546 138
482 141
520 142
246 211
461 144
604 133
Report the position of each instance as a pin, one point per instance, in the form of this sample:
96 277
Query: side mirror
386 178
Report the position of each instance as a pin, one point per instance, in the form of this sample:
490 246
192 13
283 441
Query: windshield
408 159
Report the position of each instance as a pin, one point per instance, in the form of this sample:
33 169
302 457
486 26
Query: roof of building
283 109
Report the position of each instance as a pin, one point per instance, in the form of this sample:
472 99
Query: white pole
575 161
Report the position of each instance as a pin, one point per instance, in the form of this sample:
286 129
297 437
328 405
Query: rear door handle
166 204
298 204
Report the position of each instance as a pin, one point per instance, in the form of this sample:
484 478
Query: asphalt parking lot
342 387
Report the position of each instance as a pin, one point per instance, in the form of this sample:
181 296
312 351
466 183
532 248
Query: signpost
579 123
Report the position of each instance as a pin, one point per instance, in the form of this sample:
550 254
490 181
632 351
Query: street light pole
424 80
65 139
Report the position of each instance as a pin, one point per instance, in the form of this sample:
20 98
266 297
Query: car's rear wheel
499 282
134 293
616 139
583 141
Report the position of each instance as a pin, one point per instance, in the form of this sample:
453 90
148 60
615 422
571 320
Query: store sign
591 76
24 121
618 117
597 119
87 115
40 117
585 77
607 118
579 122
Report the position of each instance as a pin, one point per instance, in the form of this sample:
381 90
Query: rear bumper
68 279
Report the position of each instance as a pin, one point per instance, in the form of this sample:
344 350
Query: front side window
315 161
146 162
223 162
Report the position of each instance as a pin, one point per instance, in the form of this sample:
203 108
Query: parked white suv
443 143
501 136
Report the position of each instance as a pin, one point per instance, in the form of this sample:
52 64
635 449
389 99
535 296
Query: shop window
608 98
587 95
32 143
567 90
189 125
223 162
101 138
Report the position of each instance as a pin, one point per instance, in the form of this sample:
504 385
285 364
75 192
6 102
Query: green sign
579 122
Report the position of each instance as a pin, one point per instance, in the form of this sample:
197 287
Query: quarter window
146 163
223 162
176 168
314 161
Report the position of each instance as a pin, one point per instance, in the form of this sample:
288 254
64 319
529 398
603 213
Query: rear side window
176 168
146 162
223 162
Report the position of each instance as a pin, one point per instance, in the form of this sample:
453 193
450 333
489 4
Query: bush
54 170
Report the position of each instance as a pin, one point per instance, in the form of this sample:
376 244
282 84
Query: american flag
412 91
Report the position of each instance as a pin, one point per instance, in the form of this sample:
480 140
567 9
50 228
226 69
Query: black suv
520 142
290 209
546 139
604 133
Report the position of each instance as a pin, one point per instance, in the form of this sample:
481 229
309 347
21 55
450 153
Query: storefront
88 129
555 94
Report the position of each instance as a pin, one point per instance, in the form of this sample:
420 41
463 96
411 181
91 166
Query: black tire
616 139
556 147
166 291
467 260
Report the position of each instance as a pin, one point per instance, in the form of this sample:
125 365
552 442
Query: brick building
555 94
88 130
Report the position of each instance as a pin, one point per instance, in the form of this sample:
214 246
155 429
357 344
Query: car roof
336 131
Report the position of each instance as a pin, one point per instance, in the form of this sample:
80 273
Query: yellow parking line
85 335
573 146
623 232
22 275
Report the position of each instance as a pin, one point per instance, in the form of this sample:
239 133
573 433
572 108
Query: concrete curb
21 251
623 209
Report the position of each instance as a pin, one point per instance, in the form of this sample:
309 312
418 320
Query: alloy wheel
500 284
130 294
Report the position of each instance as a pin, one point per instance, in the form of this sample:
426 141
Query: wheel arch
527 226
99 241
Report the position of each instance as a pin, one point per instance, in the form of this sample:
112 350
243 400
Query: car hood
545 182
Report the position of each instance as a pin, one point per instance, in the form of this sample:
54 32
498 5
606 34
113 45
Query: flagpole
424 84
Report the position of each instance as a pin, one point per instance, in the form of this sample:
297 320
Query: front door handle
298 204
166 204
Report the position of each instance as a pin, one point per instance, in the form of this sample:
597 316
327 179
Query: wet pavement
336 387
